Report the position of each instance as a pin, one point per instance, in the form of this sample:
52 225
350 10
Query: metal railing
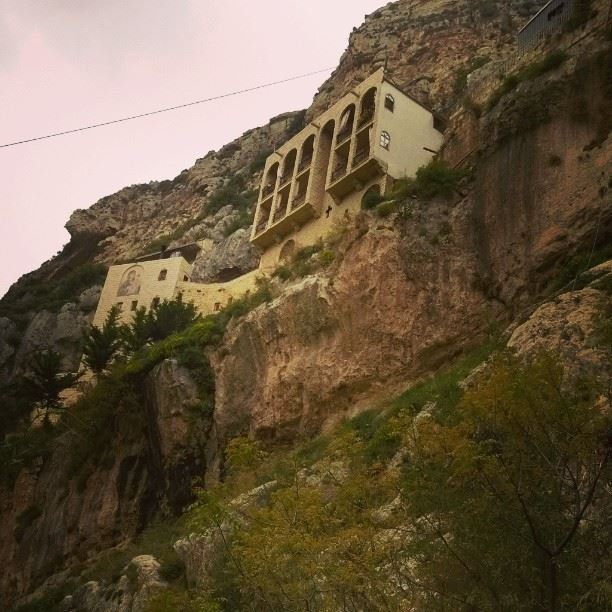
261 226
305 163
280 213
366 116
299 199
338 172
361 155
345 134
286 178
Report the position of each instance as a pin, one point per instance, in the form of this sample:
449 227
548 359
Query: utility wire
165 110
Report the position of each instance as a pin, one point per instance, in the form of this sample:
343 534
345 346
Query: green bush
371 200
283 272
385 209
437 179
551 61
326 257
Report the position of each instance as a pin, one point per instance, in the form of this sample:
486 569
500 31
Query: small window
162 275
134 305
390 102
155 302
217 306
385 140
186 278
120 305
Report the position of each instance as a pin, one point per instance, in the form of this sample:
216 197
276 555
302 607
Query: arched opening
345 129
389 102
162 275
368 107
322 160
371 197
307 153
289 166
287 252
270 182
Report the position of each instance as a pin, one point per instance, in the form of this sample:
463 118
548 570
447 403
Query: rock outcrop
139 582
74 511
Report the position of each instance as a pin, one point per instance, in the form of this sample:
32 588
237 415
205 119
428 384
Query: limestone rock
231 258
563 327
60 331
88 300
132 592
199 552
179 421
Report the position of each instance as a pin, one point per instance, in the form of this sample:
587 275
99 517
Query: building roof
188 252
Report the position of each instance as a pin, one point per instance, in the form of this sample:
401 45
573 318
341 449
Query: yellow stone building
372 136
163 276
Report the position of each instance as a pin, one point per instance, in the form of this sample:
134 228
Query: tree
171 316
137 334
45 381
511 503
101 345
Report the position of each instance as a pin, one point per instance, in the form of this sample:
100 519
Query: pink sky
67 63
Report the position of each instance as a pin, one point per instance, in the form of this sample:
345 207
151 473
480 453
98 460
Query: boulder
231 258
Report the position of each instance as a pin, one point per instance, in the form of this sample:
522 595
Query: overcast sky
67 63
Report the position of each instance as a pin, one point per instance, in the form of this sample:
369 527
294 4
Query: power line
165 110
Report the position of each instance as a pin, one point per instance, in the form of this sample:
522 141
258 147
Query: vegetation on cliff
494 495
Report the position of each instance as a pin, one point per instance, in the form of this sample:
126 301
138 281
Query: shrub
171 316
437 179
371 200
385 209
282 272
101 345
326 257
552 61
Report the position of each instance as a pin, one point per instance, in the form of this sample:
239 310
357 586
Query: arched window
162 275
390 102
385 140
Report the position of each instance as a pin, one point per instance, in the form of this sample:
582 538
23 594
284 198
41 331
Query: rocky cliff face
61 511
403 295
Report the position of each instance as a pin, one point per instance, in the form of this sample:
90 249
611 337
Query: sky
68 63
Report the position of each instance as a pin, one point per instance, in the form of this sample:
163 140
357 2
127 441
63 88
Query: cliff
404 296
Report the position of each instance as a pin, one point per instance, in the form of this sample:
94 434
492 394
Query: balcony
279 214
261 226
339 171
266 191
286 178
367 116
285 222
298 200
364 168
345 134
360 156
305 163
